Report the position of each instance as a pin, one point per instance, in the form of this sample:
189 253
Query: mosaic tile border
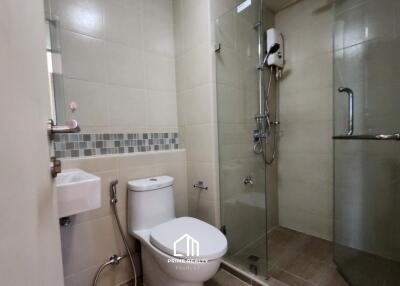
86 145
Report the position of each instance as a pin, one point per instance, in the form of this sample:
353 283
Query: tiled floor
294 258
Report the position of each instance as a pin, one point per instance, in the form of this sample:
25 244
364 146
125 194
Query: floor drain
253 258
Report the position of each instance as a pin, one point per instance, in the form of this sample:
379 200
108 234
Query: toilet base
153 275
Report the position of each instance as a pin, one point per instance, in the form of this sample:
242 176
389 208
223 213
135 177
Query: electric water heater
273 36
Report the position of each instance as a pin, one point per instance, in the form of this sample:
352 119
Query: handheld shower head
272 50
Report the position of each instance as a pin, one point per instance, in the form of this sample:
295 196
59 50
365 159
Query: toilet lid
188 237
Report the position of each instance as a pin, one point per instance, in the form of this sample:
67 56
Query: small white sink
77 191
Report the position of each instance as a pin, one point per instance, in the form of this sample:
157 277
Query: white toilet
175 251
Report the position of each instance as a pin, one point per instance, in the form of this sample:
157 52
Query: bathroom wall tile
123 24
135 160
194 78
159 9
305 167
180 73
228 68
110 276
178 22
160 73
91 99
179 156
159 33
204 172
96 164
196 24
161 109
317 72
202 209
295 107
124 65
235 104
125 106
84 17
201 143
313 137
200 98
181 103
306 196
197 66
88 244
83 57
305 144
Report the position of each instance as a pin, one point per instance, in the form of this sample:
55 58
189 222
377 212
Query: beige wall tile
124 65
71 15
123 23
305 145
83 57
125 107
160 73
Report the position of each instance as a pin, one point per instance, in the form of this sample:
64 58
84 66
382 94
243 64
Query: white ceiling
276 5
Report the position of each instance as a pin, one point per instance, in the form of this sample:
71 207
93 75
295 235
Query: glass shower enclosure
242 172
367 154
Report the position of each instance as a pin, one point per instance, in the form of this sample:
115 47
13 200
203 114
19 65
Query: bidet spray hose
115 259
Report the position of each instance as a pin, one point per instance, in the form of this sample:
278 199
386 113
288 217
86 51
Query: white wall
118 64
305 176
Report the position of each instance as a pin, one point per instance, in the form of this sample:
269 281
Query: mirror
112 68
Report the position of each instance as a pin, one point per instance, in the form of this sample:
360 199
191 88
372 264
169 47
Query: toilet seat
185 231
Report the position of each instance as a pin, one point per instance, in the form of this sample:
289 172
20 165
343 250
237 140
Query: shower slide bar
394 136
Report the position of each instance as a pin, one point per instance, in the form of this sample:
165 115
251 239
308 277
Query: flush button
153 180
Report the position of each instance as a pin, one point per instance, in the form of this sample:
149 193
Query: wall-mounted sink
77 191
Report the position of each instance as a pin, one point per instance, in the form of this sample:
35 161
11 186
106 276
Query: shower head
272 50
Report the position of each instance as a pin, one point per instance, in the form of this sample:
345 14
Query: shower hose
115 259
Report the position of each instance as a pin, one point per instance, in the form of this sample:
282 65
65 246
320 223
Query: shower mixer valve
258 134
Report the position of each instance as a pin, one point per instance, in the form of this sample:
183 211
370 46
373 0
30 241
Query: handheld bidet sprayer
113 191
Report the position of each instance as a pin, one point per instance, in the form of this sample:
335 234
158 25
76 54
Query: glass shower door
367 172
243 211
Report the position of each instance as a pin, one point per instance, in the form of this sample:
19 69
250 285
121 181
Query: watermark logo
191 254
192 246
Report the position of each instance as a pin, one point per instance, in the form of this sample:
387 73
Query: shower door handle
350 123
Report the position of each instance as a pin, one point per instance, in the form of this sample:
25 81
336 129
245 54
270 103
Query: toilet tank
150 202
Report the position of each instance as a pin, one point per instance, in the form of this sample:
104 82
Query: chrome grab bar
394 136
71 127
350 123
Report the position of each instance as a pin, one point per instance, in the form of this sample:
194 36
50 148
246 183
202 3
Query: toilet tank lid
149 184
